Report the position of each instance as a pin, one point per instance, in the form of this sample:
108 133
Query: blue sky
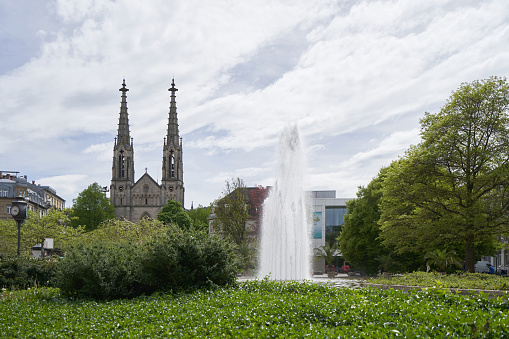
355 75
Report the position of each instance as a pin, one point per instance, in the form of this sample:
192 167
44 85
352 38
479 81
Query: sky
355 76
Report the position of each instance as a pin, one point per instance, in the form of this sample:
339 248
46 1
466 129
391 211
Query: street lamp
19 213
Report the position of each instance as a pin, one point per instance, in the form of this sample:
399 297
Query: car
482 266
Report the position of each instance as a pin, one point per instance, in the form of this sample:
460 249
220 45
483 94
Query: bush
100 271
179 260
23 273
184 260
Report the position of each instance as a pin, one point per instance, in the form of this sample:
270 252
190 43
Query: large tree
200 216
454 186
173 213
91 208
359 240
232 212
53 225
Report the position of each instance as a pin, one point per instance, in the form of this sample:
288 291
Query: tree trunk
469 255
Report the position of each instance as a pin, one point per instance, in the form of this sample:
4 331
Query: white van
482 266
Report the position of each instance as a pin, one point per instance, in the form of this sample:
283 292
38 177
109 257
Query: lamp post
19 213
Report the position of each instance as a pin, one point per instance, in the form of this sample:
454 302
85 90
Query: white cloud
243 70
66 184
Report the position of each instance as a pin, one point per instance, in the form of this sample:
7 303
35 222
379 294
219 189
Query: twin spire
123 136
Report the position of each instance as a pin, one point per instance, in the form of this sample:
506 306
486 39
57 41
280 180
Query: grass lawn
464 280
257 309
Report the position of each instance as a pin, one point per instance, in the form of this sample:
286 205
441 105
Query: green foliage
453 188
177 260
387 262
22 273
200 216
91 208
442 259
232 212
173 213
54 225
106 270
359 240
464 280
247 254
8 238
183 260
123 230
327 252
261 309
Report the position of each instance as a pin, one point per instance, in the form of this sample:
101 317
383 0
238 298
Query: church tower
172 182
122 178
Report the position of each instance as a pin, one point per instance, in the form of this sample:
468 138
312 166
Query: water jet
285 252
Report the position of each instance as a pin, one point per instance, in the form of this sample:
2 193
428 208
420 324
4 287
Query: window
9 209
172 165
333 222
4 193
317 225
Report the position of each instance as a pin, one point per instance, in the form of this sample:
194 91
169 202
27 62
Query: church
144 198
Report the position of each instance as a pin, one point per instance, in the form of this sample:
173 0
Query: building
328 214
39 198
144 198
254 197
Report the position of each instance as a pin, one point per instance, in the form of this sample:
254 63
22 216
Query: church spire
123 120
172 179
172 136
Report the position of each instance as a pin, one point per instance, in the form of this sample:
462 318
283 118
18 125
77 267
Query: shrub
183 260
179 260
100 271
22 273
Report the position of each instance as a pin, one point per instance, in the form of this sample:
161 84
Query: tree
8 237
52 225
328 253
232 212
454 185
200 217
115 230
359 239
442 259
91 208
173 213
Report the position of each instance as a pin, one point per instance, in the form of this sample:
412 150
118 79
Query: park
168 278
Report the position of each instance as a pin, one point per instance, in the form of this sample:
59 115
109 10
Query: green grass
257 309
464 280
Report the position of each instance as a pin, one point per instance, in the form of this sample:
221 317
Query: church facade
144 198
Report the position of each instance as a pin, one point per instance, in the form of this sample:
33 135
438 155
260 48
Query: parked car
344 269
482 266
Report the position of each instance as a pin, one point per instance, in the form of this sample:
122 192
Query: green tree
8 237
328 253
173 213
200 217
91 208
359 240
232 212
115 230
52 225
442 259
454 185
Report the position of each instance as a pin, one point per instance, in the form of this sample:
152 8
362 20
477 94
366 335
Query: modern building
328 213
144 198
39 198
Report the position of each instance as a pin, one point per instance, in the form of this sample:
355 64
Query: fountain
285 246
